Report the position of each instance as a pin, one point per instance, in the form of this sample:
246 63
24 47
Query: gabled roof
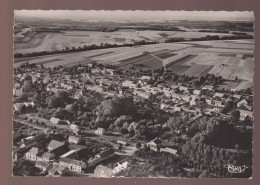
55 144
218 95
47 155
53 119
208 87
74 137
33 151
246 112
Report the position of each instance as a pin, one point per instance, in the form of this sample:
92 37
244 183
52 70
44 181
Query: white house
73 139
100 131
73 126
54 120
169 150
32 154
120 166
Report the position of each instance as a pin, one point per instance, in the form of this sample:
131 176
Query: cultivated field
51 41
230 59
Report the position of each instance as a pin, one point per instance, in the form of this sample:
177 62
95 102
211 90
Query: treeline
214 31
212 37
84 48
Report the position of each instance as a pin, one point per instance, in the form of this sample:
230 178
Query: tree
235 115
138 145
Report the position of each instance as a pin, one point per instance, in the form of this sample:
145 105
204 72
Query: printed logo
236 169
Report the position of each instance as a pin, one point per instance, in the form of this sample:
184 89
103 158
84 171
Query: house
46 157
121 142
27 104
44 166
73 126
74 139
216 109
243 103
57 170
219 95
245 114
54 145
32 154
142 93
18 92
169 150
154 144
105 154
209 101
183 88
145 78
54 120
73 165
95 88
219 103
103 171
120 166
129 83
208 87
18 107
78 94
196 92
110 71
95 71
100 131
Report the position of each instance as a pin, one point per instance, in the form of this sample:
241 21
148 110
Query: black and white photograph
120 93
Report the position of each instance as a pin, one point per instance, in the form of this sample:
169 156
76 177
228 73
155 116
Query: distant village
101 121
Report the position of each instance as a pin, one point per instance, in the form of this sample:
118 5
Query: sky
137 15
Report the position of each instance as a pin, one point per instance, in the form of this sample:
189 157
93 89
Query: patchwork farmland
52 41
230 59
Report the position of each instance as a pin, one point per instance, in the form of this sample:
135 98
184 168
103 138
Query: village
90 120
